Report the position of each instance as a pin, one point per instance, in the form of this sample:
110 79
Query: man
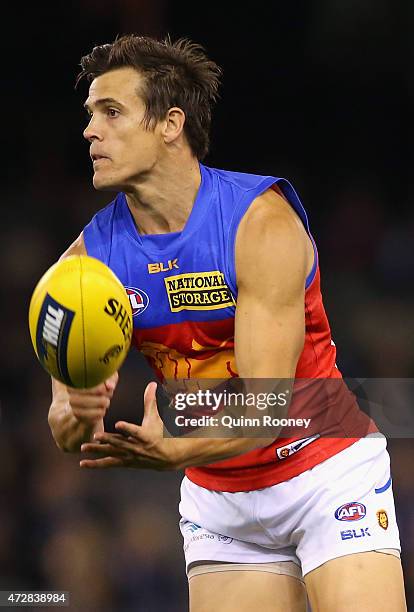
264 521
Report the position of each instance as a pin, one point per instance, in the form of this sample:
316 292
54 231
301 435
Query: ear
174 124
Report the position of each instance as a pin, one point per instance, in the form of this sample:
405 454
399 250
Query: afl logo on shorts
352 511
139 300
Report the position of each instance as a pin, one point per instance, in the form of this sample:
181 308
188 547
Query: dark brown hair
176 74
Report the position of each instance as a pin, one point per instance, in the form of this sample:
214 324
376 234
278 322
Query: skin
155 167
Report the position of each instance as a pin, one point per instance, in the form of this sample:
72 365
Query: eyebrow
103 102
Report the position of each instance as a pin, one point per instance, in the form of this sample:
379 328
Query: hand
89 406
138 446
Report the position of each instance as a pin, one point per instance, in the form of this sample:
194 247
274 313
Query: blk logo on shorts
352 511
350 534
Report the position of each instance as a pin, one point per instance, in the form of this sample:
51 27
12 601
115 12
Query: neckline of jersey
198 212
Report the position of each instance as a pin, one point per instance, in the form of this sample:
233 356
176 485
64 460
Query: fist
89 406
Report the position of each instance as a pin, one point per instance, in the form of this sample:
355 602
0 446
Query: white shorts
342 506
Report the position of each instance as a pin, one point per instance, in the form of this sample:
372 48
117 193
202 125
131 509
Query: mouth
95 157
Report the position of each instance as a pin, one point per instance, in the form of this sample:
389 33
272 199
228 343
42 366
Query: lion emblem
382 517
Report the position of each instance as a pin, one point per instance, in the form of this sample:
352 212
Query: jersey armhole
293 199
100 230
91 238
239 211
312 273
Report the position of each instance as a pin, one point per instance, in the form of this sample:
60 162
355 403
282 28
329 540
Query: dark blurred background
318 91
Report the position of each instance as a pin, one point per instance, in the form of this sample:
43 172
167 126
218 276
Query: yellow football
80 321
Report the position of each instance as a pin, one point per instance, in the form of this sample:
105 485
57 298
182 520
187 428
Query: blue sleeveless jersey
184 279
183 291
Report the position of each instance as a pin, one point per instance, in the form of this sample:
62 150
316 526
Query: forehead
121 84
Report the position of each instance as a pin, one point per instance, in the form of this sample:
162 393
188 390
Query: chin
102 183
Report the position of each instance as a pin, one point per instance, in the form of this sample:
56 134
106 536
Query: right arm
75 415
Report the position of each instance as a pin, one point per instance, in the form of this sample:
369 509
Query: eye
112 112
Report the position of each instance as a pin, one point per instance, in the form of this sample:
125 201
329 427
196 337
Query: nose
91 132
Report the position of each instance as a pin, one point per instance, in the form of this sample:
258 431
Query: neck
162 201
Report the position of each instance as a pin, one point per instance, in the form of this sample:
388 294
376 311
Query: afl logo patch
352 511
139 300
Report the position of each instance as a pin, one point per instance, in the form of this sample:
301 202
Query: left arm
273 256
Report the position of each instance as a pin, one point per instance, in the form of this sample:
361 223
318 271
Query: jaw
104 183
104 178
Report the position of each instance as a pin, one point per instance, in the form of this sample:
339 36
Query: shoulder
76 248
271 217
100 222
271 239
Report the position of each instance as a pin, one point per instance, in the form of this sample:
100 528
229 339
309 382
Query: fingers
150 394
98 390
111 456
89 401
151 414
89 405
129 429
150 411
108 455
106 388
112 382
105 462
89 408
104 449
104 442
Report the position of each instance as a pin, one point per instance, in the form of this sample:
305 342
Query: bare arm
273 256
75 415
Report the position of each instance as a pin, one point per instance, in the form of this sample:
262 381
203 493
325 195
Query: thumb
150 415
150 402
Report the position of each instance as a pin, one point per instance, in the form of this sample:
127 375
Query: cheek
134 149
142 150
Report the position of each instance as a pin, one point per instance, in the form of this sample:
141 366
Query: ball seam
83 324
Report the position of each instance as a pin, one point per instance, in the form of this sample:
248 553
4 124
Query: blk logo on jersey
154 268
139 300
198 291
352 511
